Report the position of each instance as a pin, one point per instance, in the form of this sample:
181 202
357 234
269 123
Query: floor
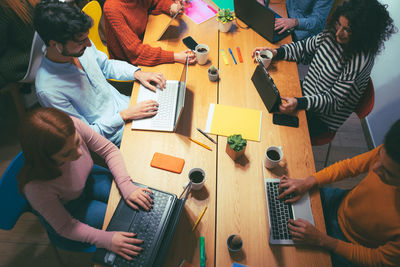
27 244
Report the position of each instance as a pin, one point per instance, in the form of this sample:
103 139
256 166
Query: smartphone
189 42
285 120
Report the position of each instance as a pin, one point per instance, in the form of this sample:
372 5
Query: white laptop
171 101
279 212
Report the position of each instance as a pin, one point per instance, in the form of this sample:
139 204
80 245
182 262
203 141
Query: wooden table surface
234 191
241 203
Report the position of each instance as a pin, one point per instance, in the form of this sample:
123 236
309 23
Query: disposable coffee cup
198 177
273 156
265 56
201 52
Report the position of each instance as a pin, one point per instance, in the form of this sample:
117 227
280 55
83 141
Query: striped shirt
332 88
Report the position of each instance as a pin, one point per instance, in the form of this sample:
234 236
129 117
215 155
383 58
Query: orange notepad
167 162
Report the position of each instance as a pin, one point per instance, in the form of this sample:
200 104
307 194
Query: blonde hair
20 8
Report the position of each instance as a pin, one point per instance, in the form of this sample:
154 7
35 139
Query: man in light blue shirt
306 17
73 74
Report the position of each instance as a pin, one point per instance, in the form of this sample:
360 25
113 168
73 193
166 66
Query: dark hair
42 133
60 21
370 26
392 142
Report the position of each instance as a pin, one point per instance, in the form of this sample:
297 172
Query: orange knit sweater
369 215
125 22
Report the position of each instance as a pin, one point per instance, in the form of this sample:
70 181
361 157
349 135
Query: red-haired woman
57 179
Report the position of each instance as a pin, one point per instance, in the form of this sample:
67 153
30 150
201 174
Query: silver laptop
279 212
171 101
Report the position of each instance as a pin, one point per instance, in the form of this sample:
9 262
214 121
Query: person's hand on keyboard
125 245
295 188
141 197
304 232
140 110
146 78
285 24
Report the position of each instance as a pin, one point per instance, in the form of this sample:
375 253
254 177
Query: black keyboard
279 212
146 225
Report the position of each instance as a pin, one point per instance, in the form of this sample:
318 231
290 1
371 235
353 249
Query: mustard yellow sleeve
385 255
347 168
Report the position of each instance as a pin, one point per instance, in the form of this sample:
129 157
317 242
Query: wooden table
138 147
241 204
233 192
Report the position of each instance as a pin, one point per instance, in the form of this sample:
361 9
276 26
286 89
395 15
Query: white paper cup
273 156
202 57
198 178
265 56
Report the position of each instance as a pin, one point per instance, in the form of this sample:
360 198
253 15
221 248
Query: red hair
42 133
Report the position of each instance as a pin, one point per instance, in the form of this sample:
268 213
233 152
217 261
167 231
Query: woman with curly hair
341 59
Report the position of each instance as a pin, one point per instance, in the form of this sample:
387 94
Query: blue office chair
12 205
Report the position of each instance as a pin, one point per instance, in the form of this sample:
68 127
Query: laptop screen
257 17
181 93
266 88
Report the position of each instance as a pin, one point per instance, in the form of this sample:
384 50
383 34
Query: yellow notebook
228 120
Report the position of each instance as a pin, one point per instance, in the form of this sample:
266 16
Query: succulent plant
237 241
236 142
213 70
225 15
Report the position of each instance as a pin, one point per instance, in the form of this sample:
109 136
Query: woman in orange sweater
363 224
125 22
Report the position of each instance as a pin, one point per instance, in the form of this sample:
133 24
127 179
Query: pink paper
198 11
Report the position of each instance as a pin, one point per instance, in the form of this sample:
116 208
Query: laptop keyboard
167 104
146 226
279 212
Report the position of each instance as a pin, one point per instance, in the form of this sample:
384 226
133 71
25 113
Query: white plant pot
224 27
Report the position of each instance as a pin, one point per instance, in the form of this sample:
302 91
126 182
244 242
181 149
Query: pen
199 218
200 144
224 57
239 54
206 135
230 51
202 252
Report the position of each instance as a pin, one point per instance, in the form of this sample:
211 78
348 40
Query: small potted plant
234 243
225 18
213 73
236 146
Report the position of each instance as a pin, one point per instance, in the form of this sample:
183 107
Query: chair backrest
34 60
367 101
93 10
12 204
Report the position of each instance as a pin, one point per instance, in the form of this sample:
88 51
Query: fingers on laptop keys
151 105
126 245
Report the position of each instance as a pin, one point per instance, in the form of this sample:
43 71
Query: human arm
125 38
347 168
312 20
386 254
107 126
301 51
335 172
295 187
113 158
